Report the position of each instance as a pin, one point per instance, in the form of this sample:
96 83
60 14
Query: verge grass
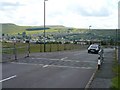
9 48
116 78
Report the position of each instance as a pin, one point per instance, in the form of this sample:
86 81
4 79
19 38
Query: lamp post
89 27
89 31
15 51
116 38
44 28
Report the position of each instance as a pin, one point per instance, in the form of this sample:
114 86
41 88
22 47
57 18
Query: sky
70 13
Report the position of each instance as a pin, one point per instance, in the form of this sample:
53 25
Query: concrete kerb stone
93 75
91 79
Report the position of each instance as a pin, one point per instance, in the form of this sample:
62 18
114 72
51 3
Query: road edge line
8 78
91 79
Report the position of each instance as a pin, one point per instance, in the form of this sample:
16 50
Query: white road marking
8 78
26 63
39 58
53 65
46 58
64 58
69 67
54 59
45 66
91 79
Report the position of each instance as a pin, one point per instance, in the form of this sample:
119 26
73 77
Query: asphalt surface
104 76
68 69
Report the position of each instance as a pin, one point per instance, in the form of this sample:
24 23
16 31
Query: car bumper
93 51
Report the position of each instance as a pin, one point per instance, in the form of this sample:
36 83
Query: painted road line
45 66
69 67
91 79
8 78
64 58
39 58
45 58
27 63
54 59
18 63
53 65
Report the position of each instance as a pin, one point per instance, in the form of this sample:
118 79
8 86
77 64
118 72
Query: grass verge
116 70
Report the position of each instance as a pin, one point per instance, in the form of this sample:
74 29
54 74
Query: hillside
12 29
60 31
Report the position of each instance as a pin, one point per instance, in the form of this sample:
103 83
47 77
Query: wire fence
17 50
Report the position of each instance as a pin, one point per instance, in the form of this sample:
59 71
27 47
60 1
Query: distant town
56 34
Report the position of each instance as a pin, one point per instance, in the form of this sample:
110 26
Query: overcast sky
70 13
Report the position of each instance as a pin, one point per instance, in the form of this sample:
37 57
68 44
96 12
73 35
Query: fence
14 51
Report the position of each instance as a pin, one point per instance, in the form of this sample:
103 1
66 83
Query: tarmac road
68 69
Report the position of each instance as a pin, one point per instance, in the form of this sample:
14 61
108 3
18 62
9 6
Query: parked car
94 48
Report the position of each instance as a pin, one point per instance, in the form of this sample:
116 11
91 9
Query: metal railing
15 51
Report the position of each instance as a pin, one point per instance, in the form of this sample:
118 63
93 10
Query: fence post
64 46
40 47
28 49
15 50
58 47
50 47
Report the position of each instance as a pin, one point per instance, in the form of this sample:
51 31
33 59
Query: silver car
94 48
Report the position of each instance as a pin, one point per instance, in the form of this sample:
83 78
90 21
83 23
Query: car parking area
50 70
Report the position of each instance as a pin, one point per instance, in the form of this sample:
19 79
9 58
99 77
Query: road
65 69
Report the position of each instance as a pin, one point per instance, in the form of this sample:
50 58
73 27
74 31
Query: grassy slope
15 29
12 29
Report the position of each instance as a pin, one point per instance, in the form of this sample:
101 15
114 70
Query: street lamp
116 37
89 31
89 27
15 51
44 27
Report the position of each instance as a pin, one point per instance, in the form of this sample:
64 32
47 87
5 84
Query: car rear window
94 46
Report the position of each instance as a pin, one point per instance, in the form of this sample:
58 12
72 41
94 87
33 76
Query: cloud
102 12
82 13
97 8
73 13
4 4
9 6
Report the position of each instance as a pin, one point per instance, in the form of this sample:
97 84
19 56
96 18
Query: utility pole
44 26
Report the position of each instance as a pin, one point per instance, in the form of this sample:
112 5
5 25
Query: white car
94 48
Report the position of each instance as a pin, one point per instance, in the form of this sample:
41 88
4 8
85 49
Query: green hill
8 28
60 31
12 28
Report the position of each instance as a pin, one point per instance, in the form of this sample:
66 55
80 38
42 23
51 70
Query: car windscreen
93 46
